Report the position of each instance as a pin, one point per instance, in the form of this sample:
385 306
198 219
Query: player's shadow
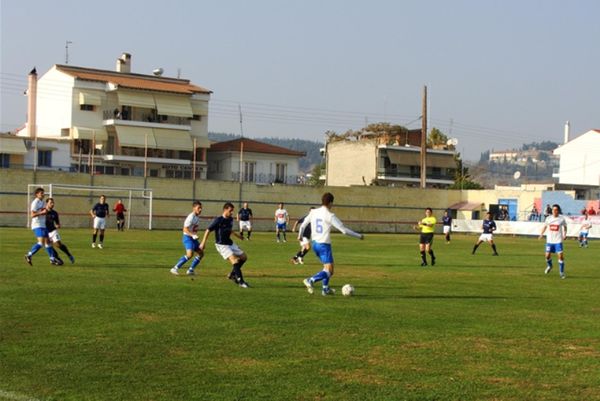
459 297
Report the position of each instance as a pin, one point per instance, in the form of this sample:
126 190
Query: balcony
148 124
414 175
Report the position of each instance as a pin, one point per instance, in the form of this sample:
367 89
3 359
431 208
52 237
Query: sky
498 73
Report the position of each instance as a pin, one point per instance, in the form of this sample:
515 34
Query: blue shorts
281 226
323 252
554 248
190 243
583 235
40 232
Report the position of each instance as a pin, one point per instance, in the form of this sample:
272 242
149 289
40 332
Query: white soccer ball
347 290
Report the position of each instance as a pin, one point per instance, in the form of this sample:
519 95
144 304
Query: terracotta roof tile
133 81
251 145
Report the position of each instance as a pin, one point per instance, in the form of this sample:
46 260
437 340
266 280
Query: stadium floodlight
139 203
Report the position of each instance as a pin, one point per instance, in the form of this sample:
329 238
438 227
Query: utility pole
424 140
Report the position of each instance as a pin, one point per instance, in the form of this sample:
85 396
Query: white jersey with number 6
321 220
554 229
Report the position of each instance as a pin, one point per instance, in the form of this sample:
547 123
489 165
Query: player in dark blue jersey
447 225
304 242
99 213
223 228
488 226
52 225
244 217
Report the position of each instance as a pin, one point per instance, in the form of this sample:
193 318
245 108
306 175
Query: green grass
117 326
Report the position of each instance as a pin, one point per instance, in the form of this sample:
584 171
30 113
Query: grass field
117 326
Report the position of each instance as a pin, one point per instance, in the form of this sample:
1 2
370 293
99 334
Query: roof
591 134
466 206
133 81
251 145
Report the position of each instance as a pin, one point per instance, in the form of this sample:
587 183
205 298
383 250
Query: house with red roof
247 160
120 122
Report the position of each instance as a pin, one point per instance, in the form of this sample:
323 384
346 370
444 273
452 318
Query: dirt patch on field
360 376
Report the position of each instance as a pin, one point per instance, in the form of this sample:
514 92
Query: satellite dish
158 71
452 142
517 175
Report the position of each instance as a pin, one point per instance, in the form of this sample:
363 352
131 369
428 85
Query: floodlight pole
424 140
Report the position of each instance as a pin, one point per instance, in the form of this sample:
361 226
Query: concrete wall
372 209
344 157
54 103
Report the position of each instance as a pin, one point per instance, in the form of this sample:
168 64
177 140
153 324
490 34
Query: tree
436 138
462 178
316 173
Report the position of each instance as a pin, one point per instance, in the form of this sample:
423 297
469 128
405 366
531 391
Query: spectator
548 211
592 211
535 215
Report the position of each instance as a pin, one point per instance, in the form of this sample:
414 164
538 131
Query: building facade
256 161
579 167
119 122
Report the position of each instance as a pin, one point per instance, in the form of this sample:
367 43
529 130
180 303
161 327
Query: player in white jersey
281 220
586 225
555 228
190 241
38 225
321 221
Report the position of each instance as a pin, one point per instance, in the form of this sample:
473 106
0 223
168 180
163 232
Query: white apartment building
123 123
580 161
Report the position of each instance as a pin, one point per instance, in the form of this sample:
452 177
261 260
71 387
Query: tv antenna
67 43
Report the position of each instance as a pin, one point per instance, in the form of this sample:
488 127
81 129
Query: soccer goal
77 200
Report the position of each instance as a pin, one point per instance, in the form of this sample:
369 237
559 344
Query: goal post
77 197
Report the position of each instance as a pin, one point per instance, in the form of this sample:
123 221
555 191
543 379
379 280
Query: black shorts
120 216
426 238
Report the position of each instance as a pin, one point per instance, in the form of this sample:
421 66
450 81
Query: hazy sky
499 73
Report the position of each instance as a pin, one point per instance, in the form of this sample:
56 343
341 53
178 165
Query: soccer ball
347 290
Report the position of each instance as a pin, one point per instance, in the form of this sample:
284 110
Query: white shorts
486 237
304 241
54 236
227 250
245 224
99 223
446 229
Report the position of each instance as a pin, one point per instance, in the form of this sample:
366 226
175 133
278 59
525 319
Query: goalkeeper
190 241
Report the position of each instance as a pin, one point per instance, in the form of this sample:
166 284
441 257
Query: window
197 117
86 107
280 172
249 169
4 160
45 158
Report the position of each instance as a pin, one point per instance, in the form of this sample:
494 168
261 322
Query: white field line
9 395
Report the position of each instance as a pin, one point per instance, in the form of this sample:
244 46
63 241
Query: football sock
549 262
237 271
447 237
423 257
36 247
249 232
50 251
284 238
64 248
431 254
195 262
182 261
494 248
278 237
303 252
326 280
475 248
319 276
101 238
561 266
94 236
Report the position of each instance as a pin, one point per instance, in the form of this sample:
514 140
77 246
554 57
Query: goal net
74 202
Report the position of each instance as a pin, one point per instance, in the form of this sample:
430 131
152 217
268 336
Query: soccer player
99 213
223 228
120 210
38 225
321 221
447 225
304 242
244 217
488 226
52 225
557 233
586 225
427 227
281 220
190 241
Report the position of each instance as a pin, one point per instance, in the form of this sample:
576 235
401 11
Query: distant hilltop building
523 157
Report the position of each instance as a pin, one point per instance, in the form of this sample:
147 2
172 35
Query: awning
93 99
466 206
201 141
12 146
178 106
172 139
404 158
136 99
97 134
135 137
199 107
443 161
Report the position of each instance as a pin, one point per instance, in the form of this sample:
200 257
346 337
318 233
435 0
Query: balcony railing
394 173
271 179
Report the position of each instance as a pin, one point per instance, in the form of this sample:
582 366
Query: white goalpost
137 198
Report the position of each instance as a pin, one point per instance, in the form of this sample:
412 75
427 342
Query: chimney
124 63
567 131
32 103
